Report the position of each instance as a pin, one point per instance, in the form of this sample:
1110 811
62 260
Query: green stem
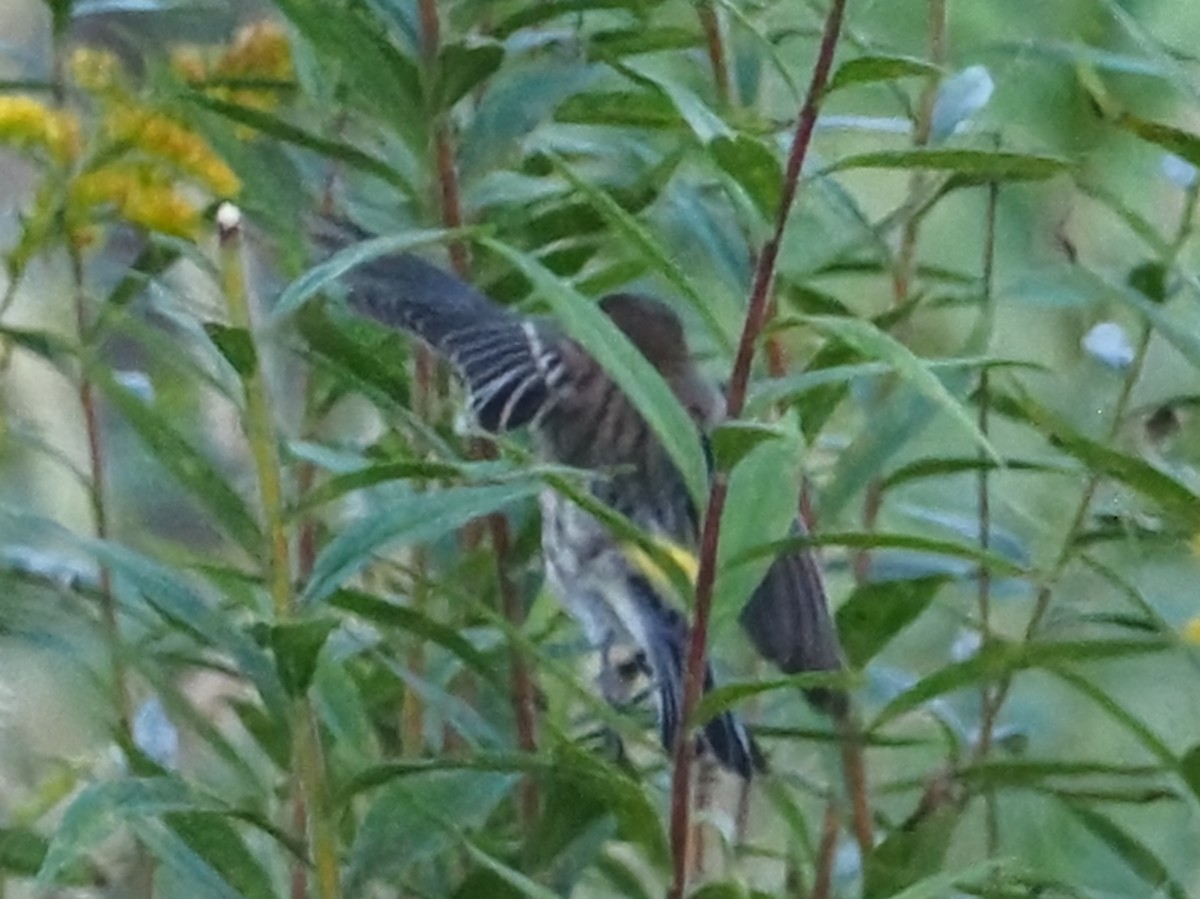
1066 552
311 792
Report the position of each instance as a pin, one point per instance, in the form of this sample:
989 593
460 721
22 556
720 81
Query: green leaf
1035 772
1190 768
383 473
1184 144
633 41
1181 335
935 467
47 345
419 817
877 612
287 133
514 878
195 473
236 345
363 355
1136 854
733 440
1147 738
869 340
320 276
419 518
154 259
175 856
633 109
727 696
997 659
297 646
378 75
761 505
529 16
869 69
178 603
391 615
912 851
636 377
640 238
592 781
877 540
92 815
22 851
1171 495
753 165
215 840
1150 280
980 164
462 68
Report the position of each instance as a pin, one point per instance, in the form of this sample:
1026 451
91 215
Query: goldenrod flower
93 70
26 123
259 50
139 194
188 63
161 137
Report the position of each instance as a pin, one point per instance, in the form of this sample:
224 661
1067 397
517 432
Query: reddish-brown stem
854 771
522 690
826 853
904 269
715 43
756 317
95 442
298 888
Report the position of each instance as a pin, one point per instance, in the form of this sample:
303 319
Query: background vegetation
255 641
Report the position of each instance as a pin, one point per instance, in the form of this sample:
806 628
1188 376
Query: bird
524 371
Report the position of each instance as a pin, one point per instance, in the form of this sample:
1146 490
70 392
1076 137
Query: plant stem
922 129
714 42
1066 552
97 494
310 796
904 270
983 483
522 691
756 316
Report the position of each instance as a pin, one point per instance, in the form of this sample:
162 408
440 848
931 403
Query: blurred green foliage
252 645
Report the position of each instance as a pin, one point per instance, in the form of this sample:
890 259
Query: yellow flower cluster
95 71
27 124
260 51
164 139
140 194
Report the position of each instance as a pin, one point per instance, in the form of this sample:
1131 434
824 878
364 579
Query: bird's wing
787 618
511 363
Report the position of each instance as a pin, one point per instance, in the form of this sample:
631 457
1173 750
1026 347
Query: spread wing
511 363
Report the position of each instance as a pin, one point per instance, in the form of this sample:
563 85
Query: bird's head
657 332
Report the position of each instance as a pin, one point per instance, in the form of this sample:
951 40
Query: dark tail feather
510 363
789 623
725 736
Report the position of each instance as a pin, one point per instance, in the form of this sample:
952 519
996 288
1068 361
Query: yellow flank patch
685 560
1191 631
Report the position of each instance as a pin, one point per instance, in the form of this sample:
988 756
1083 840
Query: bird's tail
724 735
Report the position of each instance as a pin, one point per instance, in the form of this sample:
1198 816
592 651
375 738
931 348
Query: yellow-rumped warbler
523 371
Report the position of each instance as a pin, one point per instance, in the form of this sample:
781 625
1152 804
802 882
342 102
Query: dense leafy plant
300 610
